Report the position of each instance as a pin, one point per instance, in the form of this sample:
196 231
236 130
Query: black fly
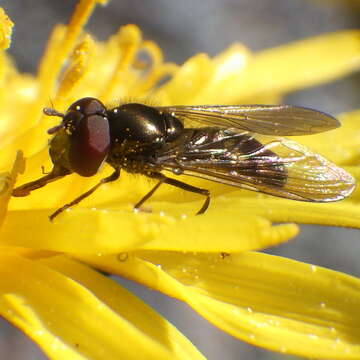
233 145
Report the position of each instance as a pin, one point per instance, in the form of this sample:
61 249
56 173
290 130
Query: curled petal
258 298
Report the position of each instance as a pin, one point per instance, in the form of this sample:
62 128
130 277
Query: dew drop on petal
261 325
235 311
122 256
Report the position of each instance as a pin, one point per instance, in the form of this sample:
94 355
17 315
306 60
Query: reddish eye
89 144
88 106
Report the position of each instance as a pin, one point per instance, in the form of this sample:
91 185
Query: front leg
114 176
55 174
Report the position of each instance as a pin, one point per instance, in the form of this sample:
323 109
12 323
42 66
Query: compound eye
89 144
88 106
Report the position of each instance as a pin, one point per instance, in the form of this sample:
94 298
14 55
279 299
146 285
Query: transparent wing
283 120
274 166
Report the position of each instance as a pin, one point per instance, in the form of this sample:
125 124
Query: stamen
153 51
129 39
62 41
154 77
78 66
158 69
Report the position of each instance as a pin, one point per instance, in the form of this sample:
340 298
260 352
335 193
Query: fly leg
114 176
25 190
179 184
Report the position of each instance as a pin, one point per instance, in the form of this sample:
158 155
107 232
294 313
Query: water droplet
261 325
313 268
249 310
122 256
322 305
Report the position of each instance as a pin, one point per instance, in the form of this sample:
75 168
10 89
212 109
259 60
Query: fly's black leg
55 174
114 176
193 189
179 184
148 195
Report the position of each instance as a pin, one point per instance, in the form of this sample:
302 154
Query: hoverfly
234 145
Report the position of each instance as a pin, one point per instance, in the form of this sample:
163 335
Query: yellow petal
33 296
128 306
259 298
295 66
188 81
341 213
105 231
201 80
206 233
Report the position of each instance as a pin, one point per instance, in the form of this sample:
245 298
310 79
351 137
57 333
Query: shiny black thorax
138 132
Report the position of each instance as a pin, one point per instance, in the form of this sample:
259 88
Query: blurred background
183 28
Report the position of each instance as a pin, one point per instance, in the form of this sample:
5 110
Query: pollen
6 26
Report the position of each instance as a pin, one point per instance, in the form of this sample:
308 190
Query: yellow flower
48 289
